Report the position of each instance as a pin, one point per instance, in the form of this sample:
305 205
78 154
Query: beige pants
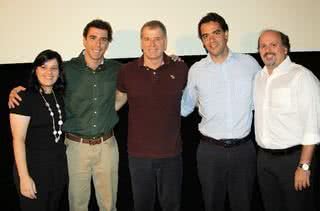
99 162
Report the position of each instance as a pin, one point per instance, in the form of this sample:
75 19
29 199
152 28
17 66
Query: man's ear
84 40
226 35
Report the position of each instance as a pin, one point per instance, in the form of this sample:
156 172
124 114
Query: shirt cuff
310 139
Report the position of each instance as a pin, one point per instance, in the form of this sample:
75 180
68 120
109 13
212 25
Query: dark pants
150 175
276 181
46 201
225 171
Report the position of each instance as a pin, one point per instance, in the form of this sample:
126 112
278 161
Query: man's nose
98 43
211 37
268 48
153 43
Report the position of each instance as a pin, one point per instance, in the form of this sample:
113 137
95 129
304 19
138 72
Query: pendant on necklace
55 133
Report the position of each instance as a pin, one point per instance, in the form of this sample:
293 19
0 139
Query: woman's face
48 73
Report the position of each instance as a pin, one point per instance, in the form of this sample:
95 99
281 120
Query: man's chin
154 56
268 62
97 58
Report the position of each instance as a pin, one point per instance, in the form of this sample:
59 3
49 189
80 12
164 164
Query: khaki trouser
99 162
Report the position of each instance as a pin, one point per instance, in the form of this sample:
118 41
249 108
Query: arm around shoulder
14 97
121 99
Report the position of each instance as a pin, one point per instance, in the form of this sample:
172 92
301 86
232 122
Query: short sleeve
25 105
185 73
121 81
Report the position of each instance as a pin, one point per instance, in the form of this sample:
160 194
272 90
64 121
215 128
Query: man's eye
204 36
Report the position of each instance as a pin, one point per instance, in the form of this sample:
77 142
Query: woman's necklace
55 133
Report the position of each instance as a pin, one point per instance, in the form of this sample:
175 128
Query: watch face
305 167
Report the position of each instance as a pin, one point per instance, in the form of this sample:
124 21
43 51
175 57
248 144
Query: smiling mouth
214 45
153 51
268 55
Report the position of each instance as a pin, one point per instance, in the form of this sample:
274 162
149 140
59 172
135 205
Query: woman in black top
38 142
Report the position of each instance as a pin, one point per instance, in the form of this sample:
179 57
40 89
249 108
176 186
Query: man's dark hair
154 24
212 16
42 58
284 38
100 24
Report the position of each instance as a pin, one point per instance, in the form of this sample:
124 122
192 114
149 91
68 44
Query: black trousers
225 171
150 175
45 201
276 182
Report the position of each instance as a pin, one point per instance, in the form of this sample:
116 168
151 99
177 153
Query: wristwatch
304 166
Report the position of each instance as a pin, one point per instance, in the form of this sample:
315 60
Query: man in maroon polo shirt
153 86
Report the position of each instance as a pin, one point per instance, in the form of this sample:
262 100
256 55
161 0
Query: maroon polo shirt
154 98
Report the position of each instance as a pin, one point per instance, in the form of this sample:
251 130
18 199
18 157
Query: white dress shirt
223 93
287 107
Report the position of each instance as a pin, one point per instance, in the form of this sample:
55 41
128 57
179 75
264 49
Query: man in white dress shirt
287 100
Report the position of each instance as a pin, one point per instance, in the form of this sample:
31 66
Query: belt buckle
94 142
227 143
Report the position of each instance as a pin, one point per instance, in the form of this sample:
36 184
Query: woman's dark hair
42 58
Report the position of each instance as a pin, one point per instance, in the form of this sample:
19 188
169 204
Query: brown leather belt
90 141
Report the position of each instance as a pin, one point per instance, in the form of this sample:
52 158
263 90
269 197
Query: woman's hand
28 187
